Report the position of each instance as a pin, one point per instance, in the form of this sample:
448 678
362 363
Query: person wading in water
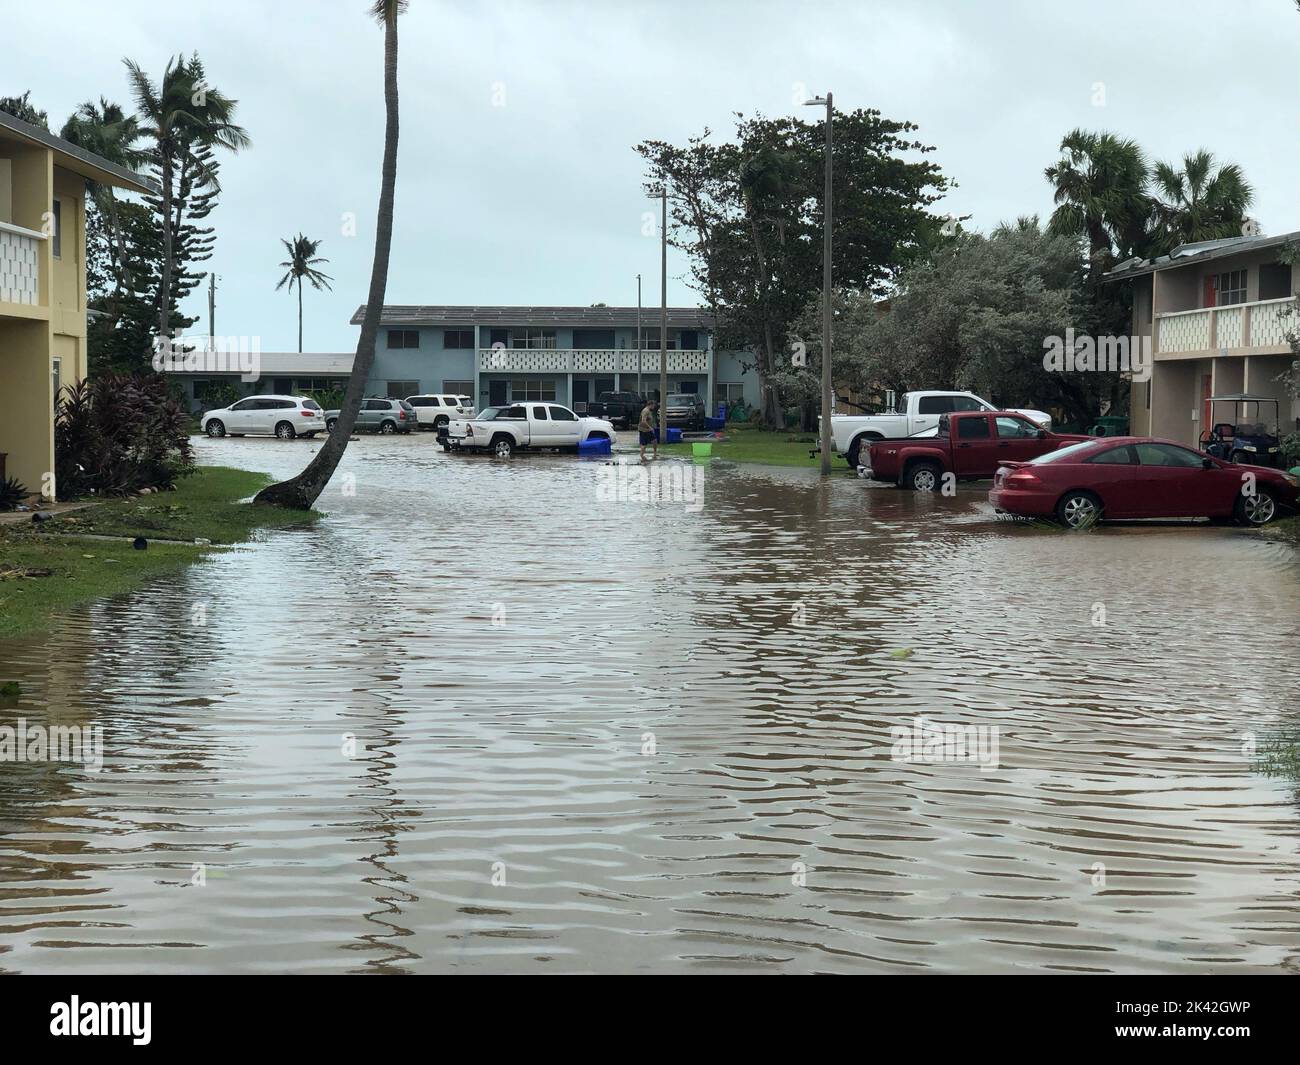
646 427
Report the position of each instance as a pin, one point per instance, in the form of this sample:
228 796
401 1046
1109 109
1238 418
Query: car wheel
329 425
308 436
388 427
503 447
1079 510
440 424
1257 509
284 431
923 476
216 427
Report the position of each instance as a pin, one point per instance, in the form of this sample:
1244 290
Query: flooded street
482 719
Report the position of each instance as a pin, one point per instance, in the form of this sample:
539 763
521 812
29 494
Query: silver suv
379 416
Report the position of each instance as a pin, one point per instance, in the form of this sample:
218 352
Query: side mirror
1207 464
1042 434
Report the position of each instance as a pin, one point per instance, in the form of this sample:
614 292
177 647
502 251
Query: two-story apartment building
567 354
1217 314
42 286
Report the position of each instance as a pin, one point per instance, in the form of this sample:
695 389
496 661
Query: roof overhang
1189 254
79 161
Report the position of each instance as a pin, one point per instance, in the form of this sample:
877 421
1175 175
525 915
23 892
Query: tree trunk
300 314
302 491
165 283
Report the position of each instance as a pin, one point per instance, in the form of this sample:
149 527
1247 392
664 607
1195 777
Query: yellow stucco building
42 286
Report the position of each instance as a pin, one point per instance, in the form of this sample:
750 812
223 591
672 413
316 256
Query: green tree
1199 201
107 131
183 119
302 266
1099 187
748 213
302 491
21 107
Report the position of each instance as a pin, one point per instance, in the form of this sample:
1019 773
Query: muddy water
604 735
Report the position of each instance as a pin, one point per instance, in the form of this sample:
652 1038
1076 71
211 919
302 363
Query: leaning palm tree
110 133
301 266
182 116
1199 202
302 491
1100 193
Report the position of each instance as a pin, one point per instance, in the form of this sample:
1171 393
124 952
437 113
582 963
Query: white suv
435 410
281 416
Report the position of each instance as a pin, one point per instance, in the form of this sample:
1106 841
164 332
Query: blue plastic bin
674 436
714 424
600 446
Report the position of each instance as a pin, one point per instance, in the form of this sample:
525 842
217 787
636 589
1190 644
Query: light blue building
567 354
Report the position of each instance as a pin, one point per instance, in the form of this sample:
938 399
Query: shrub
117 433
12 492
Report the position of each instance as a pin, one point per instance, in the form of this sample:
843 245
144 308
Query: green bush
12 492
117 433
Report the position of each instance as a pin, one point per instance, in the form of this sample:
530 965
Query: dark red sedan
1138 477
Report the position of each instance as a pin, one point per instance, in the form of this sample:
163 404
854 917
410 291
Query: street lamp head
816 101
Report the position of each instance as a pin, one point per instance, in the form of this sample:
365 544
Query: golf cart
1251 441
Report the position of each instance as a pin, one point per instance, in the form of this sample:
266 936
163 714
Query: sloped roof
78 160
1201 251
591 317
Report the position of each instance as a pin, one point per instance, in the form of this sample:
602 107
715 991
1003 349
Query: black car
685 411
621 408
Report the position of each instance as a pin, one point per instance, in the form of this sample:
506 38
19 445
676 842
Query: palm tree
301 265
106 130
1100 193
302 491
1199 202
182 116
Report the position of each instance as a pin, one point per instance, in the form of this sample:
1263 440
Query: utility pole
663 320
212 311
827 394
639 391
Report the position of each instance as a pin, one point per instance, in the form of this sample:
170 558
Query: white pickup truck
516 426
916 412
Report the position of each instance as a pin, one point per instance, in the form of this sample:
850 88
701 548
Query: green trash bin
1110 425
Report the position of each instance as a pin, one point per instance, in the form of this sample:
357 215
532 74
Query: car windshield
1069 453
681 401
488 413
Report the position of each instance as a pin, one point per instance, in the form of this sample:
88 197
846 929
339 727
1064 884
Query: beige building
42 286
1217 314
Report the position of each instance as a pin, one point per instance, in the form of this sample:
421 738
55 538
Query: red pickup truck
971 445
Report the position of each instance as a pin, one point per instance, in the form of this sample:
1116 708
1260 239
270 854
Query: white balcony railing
20 269
587 360
1261 324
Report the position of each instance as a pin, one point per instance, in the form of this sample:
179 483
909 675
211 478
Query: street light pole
639 392
663 321
827 392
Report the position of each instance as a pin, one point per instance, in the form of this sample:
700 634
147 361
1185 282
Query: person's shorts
647 438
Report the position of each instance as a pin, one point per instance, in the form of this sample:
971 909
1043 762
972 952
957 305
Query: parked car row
1079 480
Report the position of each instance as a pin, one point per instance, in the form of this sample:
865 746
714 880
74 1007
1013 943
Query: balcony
20 269
1239 328
587 360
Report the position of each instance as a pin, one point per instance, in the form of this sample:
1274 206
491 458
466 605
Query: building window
56 379
530 337
56 238
458 338
650 340
458 388
526 388
403 338
729 392
1231 287
402 389
689 340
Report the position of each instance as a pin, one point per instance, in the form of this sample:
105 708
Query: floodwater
486 718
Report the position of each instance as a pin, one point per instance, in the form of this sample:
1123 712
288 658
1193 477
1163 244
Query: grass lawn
783 448
80 570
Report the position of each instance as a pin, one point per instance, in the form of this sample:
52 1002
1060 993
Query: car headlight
1249 447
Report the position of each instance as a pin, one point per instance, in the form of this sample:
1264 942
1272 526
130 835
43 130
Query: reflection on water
480 720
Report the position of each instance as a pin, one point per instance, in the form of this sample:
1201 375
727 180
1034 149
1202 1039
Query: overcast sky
517 182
